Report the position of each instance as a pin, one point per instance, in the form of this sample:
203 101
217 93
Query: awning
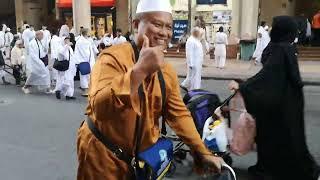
94 3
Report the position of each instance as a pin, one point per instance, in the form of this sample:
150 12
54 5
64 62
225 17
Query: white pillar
249 18
81 14
236 17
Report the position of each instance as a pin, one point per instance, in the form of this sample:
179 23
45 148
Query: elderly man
84 53
37 73
194 53
17 60
114 101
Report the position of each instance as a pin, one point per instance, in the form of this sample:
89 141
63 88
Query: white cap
8 29
19 42
154 6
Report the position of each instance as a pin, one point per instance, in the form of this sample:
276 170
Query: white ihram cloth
37 73
262 43
220 53
65 79
84 53
194 53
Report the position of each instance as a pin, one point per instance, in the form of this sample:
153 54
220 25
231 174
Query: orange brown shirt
114 109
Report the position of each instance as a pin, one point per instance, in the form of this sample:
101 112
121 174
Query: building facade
240 17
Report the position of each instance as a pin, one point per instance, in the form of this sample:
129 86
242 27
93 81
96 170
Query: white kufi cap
154 6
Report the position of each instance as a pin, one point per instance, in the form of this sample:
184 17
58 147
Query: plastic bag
244 134
215 137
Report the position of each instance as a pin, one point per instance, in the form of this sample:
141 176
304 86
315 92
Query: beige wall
245 18
34 12
123 15
271 8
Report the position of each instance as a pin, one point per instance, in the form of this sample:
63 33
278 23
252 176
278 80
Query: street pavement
310 70
38 134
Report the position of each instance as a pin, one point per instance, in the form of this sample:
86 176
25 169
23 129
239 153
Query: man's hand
212 163
151 58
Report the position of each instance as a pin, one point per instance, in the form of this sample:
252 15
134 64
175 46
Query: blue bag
155 162
84 68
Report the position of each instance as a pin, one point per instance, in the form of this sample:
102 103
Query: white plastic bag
215 138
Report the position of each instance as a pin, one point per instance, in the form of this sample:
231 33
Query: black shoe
70 98
256 170
58 95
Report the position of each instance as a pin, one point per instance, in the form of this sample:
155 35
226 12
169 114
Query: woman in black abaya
274 96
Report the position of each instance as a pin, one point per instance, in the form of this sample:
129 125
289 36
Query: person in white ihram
194 53
37 73
220 52
119 39
263 40
27 36
64 30
46 37
8 39
84 53
65 79
2 49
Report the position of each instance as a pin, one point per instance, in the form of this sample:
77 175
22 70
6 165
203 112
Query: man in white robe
65 79
37 73
18 61
8 40
55 44
194 53
119 39
27 36
64 30
107 39
84 53
220 53
263 40
46 37
2 50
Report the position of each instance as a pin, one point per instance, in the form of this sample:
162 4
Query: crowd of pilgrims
30 55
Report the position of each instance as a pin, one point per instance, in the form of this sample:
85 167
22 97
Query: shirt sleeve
110 87
179 119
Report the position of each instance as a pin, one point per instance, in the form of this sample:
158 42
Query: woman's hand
233 86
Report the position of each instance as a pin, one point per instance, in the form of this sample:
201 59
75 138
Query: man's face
157 26
119 34
66 41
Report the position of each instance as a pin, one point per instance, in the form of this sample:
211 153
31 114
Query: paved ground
310 70
37 134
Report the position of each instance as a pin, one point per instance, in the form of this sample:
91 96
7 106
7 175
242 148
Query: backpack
202 105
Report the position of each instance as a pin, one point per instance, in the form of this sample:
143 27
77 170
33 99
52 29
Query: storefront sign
179 28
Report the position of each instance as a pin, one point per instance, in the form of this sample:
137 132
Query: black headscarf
284 29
